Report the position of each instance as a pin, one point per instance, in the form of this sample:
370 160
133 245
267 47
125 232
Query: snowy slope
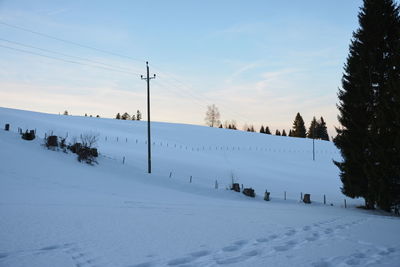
56 211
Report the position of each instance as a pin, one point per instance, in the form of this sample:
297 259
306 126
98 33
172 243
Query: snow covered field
55 211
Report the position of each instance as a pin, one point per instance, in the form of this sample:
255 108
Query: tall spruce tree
299 130
262 129
313 130
369 107
284 132
322 131
277 132
267 131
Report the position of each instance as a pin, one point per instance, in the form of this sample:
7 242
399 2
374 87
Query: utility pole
313 142
148 78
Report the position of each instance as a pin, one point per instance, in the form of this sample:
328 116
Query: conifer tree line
317 129
126 116
369 109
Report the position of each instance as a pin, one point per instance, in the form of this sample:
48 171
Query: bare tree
89 140
212 116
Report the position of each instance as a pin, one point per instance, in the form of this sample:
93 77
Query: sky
259 62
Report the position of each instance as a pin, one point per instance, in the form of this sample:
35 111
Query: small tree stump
52 140
7 127
28 135
249 192
235 187
307 198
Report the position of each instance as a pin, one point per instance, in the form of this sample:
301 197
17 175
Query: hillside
59 212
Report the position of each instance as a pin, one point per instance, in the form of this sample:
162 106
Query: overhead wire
66 55
64 60
69 42
182 86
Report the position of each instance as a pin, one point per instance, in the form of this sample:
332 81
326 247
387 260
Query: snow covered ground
55 211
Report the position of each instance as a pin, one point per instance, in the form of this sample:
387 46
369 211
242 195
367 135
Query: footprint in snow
236 246
313 237
290 232
386 251
245 256
262 240
273 236
188 259
321 263
287 246
144 264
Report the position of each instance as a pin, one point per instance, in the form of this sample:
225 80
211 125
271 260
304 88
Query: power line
62 54
114 54
68 42
65 60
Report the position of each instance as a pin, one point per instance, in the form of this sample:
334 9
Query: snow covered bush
85 149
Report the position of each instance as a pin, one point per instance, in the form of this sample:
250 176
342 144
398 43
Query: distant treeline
317 129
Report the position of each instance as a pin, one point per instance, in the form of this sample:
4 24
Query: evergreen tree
369 107
85 114
267 131
125 116
284 132
65 112
299 130
290 133
97 116
133 117
138 115
118 116
277 132
220 126
322 131
313 130
262 129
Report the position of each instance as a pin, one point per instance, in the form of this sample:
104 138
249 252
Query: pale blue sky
260 62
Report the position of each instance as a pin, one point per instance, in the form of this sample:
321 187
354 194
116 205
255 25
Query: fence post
301 196
170 174
324 200
345 204
123 160
285 195
190 179
216 184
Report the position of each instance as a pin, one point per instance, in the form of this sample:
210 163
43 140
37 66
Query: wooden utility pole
313 141
148 78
